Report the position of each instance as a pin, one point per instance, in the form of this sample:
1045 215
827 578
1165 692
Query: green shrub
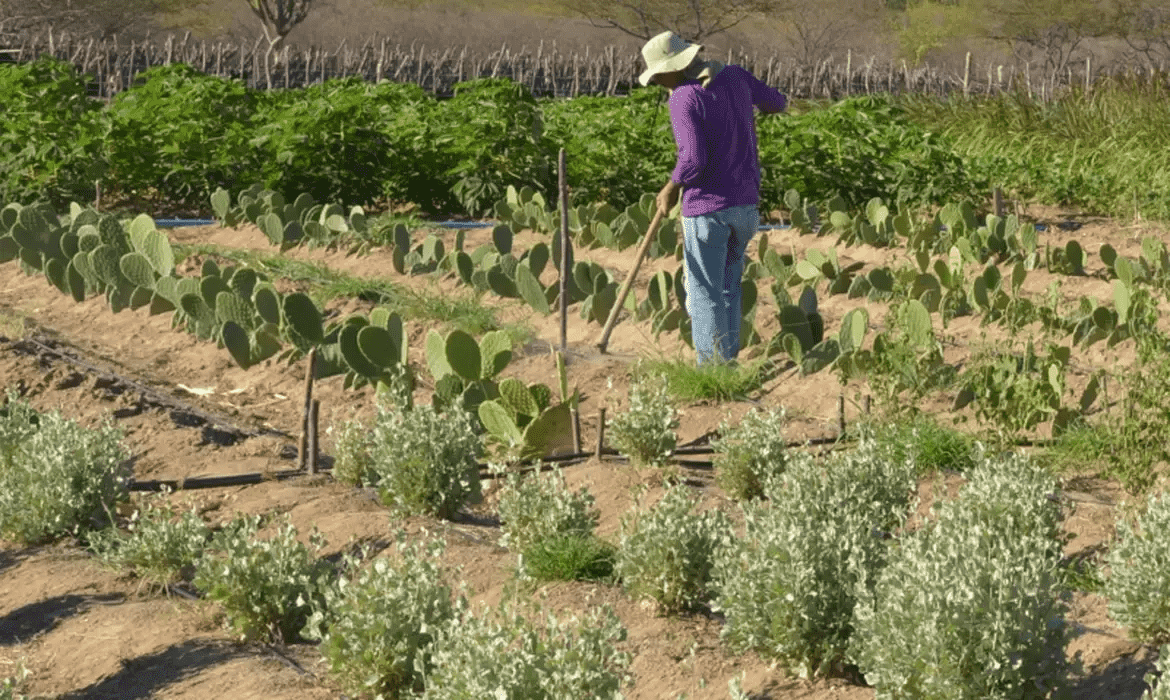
536 507
57 478
645 430
161 546
666 553
971 605
353 461
377 626
750 453
1138 586
570 558
505 655
789 585
423 461
268 587
52 144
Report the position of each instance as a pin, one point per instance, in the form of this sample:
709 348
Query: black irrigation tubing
212 482
46 346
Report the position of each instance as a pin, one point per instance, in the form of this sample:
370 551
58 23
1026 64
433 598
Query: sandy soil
85 632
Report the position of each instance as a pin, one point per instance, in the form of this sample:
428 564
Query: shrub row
178 135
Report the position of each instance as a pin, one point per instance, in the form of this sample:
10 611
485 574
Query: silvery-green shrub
1159 685
789 585
1138 586
160 545
267 586
750 453
423 461
644 432
377 625
353 454
666 552
57 478
539 506
505 655
971 605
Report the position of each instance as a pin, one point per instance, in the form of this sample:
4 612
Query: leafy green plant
160 546
666 552
716 381
423 460
749 454
57 478
506 655
537 507
1138 583
1015 392
645 430
268 587
811 554
53 144
378 624
972 604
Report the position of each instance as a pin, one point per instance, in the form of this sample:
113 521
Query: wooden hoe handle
624 290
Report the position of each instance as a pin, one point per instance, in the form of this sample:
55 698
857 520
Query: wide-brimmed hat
666 53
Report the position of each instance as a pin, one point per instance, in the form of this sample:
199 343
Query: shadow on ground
26 622
1122 679
144 676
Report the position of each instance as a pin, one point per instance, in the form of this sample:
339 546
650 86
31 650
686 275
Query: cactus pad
136 268
303 316
379 346
462 353
495 350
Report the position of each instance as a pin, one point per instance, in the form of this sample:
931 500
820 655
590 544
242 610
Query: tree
1145 26
102 17
693 20
1045 31
279 17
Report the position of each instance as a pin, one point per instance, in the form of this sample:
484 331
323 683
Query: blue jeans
714 248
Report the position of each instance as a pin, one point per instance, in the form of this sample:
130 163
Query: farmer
718 171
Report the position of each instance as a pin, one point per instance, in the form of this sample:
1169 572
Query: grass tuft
716 382
570 558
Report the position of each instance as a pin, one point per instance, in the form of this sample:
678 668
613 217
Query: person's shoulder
687 93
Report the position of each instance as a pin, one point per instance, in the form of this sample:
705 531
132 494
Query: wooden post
563 178
303 447
865 404
576 414
600 432
313 451
967 76
997 199
841 414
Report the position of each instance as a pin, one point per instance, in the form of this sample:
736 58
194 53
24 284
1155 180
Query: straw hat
666 53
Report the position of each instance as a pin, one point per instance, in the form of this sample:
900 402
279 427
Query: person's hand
667 198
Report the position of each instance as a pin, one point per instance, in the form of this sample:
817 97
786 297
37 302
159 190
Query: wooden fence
114 65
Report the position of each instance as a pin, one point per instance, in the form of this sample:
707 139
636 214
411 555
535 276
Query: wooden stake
576 430
565 244
600 432
997 198
865 401
303 447
841 414
314 450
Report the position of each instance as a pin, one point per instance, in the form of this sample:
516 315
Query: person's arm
769 100
686 122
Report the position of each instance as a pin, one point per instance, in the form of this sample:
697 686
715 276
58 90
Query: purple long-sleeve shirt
715 131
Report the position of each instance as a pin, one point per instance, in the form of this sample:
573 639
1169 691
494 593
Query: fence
608 71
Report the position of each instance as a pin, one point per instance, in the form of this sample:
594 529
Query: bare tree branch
279 17
693 20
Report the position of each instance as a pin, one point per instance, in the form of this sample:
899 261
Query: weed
377 626
933 447
424 461
750 453
56 477
161 546
972 605
666 553
645 431
268 587
790 584
507 655
1138 586
537 507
